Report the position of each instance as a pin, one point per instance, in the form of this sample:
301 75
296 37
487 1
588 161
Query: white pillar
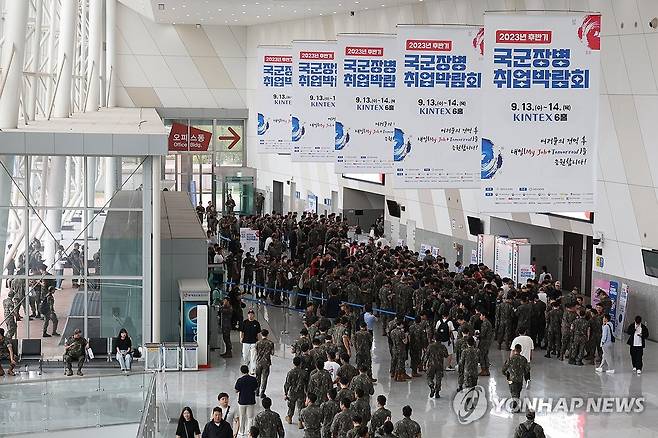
110 47
67 28
13 48
110 177
155 252
67 182
54 198
52 52
94 55
36 57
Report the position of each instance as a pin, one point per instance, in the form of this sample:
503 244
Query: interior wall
371 204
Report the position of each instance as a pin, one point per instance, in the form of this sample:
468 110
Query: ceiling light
183 6
294 12
340 4
335 12
174 24
383 6
235 21
356 3
309 9
219 10
188 15
257 16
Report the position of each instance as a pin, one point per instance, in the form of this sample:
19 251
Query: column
13 49
90 202
155 253
54 198
94 55
52 53
36 61
67 28
110 47
110 177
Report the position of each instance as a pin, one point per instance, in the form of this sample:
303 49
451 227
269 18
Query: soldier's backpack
443 331
528 433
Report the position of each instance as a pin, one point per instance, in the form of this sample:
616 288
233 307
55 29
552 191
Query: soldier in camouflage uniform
484 343
594 351
345 391
342 422
18 287
264 352
361 406
468 365
407 428
311 417
568 317
380 416
329 408
400 340
303 340
9 314
580 330
362 341
416 342
269 422
346 369
48 312
295 387
461 343
504 323
392 325
7 353
341 336
364 382
75 349
320 382
433 361
385 299
386 431
553 330
515 369
523 315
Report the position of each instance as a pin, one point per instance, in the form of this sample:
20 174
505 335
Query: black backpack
443 332
528 433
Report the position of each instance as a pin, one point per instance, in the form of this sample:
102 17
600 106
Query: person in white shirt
638 333
542 295
60 263
544 275
332 366
527 345
607 356
445 333
268 242
229 413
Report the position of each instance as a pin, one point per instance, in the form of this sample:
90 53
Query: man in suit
638 333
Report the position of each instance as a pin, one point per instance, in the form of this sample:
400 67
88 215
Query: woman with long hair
188 427
124 350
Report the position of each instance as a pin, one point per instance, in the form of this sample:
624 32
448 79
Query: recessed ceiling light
173 9
219 10
340 4
365 9
235 21
356 3
244 12
269 15
188 15
244 6
294 12
174 24
257 16
309 9
335 12
183 6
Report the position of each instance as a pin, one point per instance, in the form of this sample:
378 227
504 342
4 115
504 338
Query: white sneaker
598 370
527 383
634 369
639 372
610 371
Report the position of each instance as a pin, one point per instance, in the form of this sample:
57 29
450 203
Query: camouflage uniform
297 346
516 368
330 409
392 325
484 342
311 417
345 393
10 320
553 332
378 419
596 331
504 323
398 355
416 335
364 382
362 341
567 319
579 341
264 352
407 428
433 360
341 424
320 383
468 367
269 424
362 407
523 314
460 344
75 352
348 371
295 389
50 315
386 304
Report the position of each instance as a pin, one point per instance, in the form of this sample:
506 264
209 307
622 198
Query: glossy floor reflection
550 378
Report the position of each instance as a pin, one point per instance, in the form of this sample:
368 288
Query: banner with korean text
274 100
438 107
314 101
540 112
365 103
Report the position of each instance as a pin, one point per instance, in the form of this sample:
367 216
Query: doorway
572 261
277 197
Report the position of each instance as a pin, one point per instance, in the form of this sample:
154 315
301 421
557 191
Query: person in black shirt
249 337
217 427
188 427
246 387
124 350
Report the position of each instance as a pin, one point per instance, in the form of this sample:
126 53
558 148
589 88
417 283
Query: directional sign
234 138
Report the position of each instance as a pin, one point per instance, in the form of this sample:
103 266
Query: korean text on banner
540 113
249 241
314 101
436 141
365 103
620 314
273 99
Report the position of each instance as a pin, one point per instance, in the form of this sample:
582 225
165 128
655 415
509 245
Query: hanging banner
438 107
540 114
620 314
613 293
249 241
314 101
273 99
365 103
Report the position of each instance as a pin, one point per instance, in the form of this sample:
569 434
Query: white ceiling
249 12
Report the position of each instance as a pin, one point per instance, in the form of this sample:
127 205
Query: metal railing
148 424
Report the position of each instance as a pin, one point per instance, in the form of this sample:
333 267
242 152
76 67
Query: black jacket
212 430
631 332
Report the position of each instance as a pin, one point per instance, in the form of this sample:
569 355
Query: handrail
149 401
68 379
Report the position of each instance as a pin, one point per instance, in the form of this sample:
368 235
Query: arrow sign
234 137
